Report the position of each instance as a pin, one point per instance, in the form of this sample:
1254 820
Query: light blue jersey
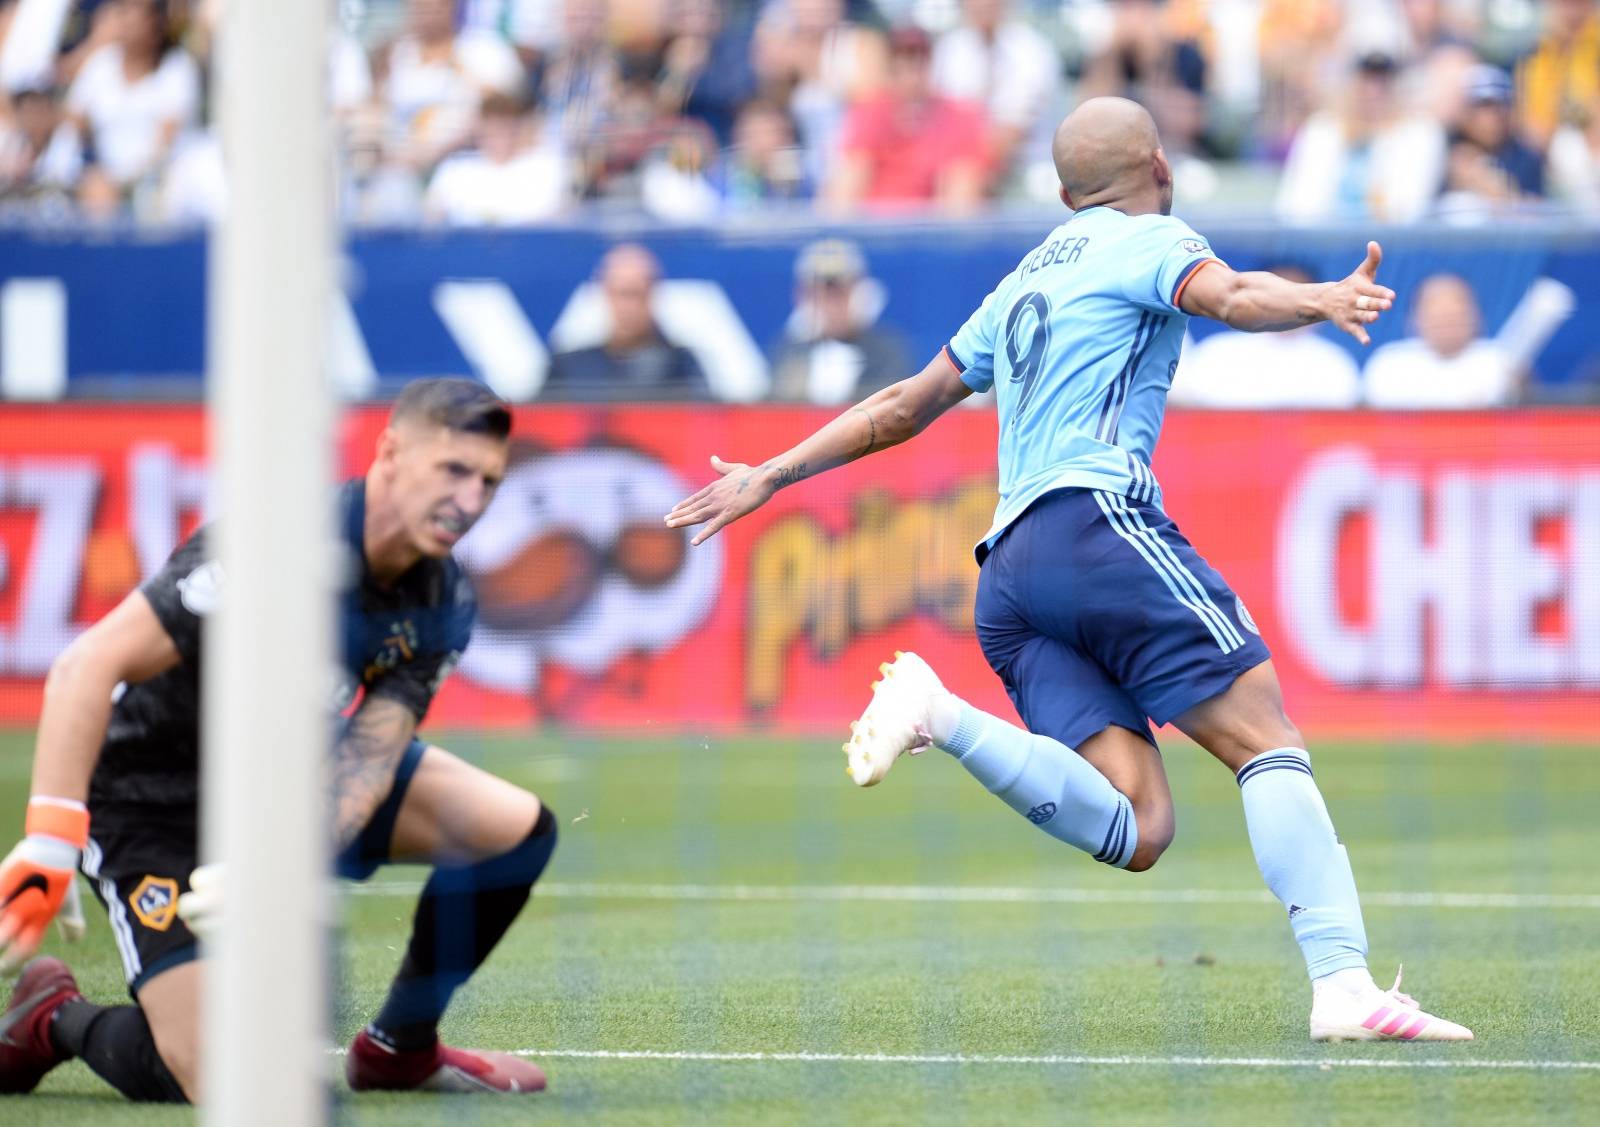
1080 342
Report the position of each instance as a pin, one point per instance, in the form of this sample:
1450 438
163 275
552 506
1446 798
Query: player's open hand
739 489
1358 300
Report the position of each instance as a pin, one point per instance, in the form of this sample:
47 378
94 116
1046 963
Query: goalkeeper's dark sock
462 915
116 1043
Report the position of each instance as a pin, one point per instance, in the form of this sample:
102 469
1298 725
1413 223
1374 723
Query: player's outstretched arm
896 413
1258 302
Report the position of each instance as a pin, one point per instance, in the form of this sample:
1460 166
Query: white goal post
269 657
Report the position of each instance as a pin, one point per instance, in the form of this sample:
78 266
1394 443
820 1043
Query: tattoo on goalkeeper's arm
364 764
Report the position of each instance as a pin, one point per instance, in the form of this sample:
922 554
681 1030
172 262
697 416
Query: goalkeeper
116 786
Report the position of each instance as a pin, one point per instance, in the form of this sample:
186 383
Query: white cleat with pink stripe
1377 1015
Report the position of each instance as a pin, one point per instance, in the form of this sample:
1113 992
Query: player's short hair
455 404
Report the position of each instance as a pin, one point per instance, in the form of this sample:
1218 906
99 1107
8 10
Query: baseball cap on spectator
829 261
910 39
1487 84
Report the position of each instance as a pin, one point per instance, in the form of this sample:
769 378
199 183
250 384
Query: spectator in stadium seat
638 134
134 94
832 350
764 164
39 156
432 79
705 65
1446 363
1299 368
809 56
999 60
509 179
1562 75
1367 159
635 361
909 145
579 79
1488 170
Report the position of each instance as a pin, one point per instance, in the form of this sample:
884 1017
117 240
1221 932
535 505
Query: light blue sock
1048 783
1302 859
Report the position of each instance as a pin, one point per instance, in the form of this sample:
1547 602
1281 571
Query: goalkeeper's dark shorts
140 855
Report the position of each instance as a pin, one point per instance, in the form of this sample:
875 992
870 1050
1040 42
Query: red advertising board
1417 576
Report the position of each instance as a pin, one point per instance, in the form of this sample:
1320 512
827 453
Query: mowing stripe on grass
1054 1059
955 894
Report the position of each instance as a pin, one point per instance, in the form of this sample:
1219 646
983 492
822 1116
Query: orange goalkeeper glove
39 878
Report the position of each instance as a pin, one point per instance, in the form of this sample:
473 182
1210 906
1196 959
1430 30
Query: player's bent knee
521 866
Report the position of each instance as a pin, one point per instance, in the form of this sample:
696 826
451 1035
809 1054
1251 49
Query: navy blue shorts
1094 610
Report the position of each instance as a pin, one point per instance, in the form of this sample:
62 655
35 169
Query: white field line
1058 1060
955 894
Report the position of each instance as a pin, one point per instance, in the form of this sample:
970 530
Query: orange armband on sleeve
63 818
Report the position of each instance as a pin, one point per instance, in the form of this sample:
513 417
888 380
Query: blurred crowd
484 112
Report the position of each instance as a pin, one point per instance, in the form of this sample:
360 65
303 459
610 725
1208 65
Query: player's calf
462 914
1132 765
1042 779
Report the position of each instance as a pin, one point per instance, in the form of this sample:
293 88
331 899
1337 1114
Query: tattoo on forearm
788 475
364 764
872 433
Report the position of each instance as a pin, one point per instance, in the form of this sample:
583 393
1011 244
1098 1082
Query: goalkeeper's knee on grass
462 914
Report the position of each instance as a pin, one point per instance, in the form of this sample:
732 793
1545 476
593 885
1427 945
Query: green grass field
712 900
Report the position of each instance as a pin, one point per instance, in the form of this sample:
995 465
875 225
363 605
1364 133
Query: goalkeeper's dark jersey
399 642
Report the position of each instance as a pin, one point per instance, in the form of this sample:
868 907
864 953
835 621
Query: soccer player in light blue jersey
1092 608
